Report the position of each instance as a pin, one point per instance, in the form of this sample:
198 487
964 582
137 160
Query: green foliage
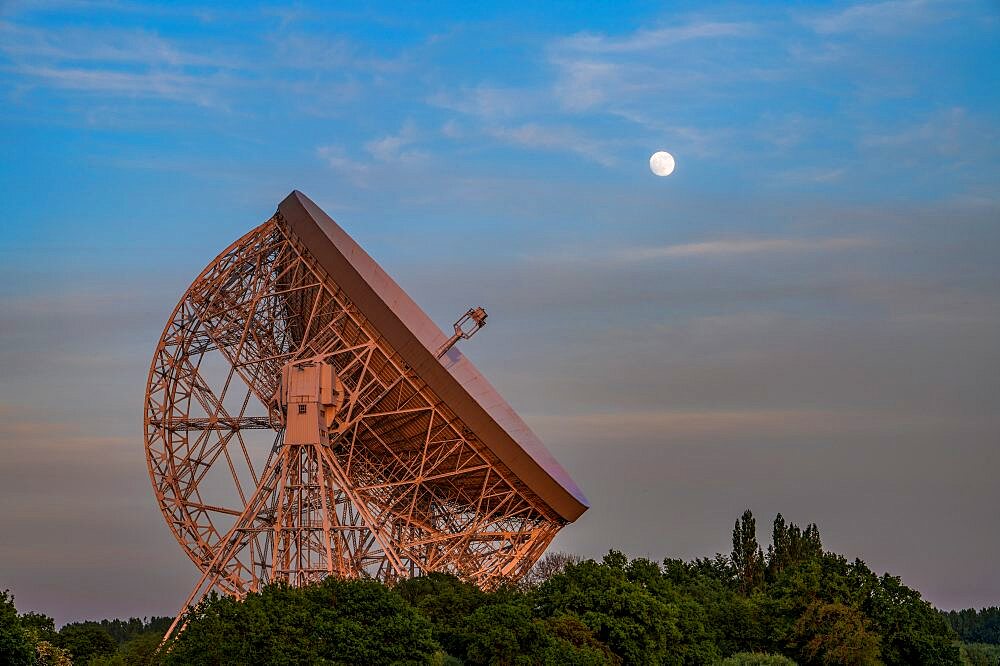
336 621
141 650
974 626
791 545
834 633
500 627
796 601
132 642
912 631
84 640
980 654
113 659
504 633
447 602
748 558
122 631
573 642
41 630
40 627
15 644
623 614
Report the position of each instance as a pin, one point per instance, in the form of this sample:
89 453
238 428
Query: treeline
974 626
31 638
980 633
793 603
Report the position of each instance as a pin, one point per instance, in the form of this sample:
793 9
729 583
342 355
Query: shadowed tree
504 634
85 640
912 631
790 545
448 603
747 556
15 645
974 626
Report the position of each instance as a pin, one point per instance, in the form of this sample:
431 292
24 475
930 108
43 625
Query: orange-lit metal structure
305 418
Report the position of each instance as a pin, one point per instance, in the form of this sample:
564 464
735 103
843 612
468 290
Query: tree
41 630
548 566
980 654
835 635
575 643
141 650
747 556
974 626
448 603
636 626
504 635
791 545
84 640
47 654
912 631
15 645
41 627
336 621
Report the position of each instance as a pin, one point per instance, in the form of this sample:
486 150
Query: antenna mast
465 328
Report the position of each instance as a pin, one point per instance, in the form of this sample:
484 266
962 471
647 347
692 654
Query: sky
804 318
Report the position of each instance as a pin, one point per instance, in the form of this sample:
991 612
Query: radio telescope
305 418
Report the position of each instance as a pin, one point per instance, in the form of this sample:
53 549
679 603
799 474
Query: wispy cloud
103 45
117 62
600 71
947 145
651 39
389 149
309 52
750 246
485 101
161 85
671 424
892 16
557 138
396 147
947 132
585 83
813 175
338 160
133 63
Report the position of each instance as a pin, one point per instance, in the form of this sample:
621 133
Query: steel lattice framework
392 483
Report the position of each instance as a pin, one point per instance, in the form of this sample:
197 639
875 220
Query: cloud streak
558 138
746 246
646 39
893 16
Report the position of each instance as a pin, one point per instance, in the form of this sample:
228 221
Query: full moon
661 163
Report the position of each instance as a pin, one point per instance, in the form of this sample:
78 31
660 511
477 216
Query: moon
661 163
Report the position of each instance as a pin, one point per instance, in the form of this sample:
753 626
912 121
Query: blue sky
803 318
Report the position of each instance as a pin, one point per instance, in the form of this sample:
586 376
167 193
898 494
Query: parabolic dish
408 329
